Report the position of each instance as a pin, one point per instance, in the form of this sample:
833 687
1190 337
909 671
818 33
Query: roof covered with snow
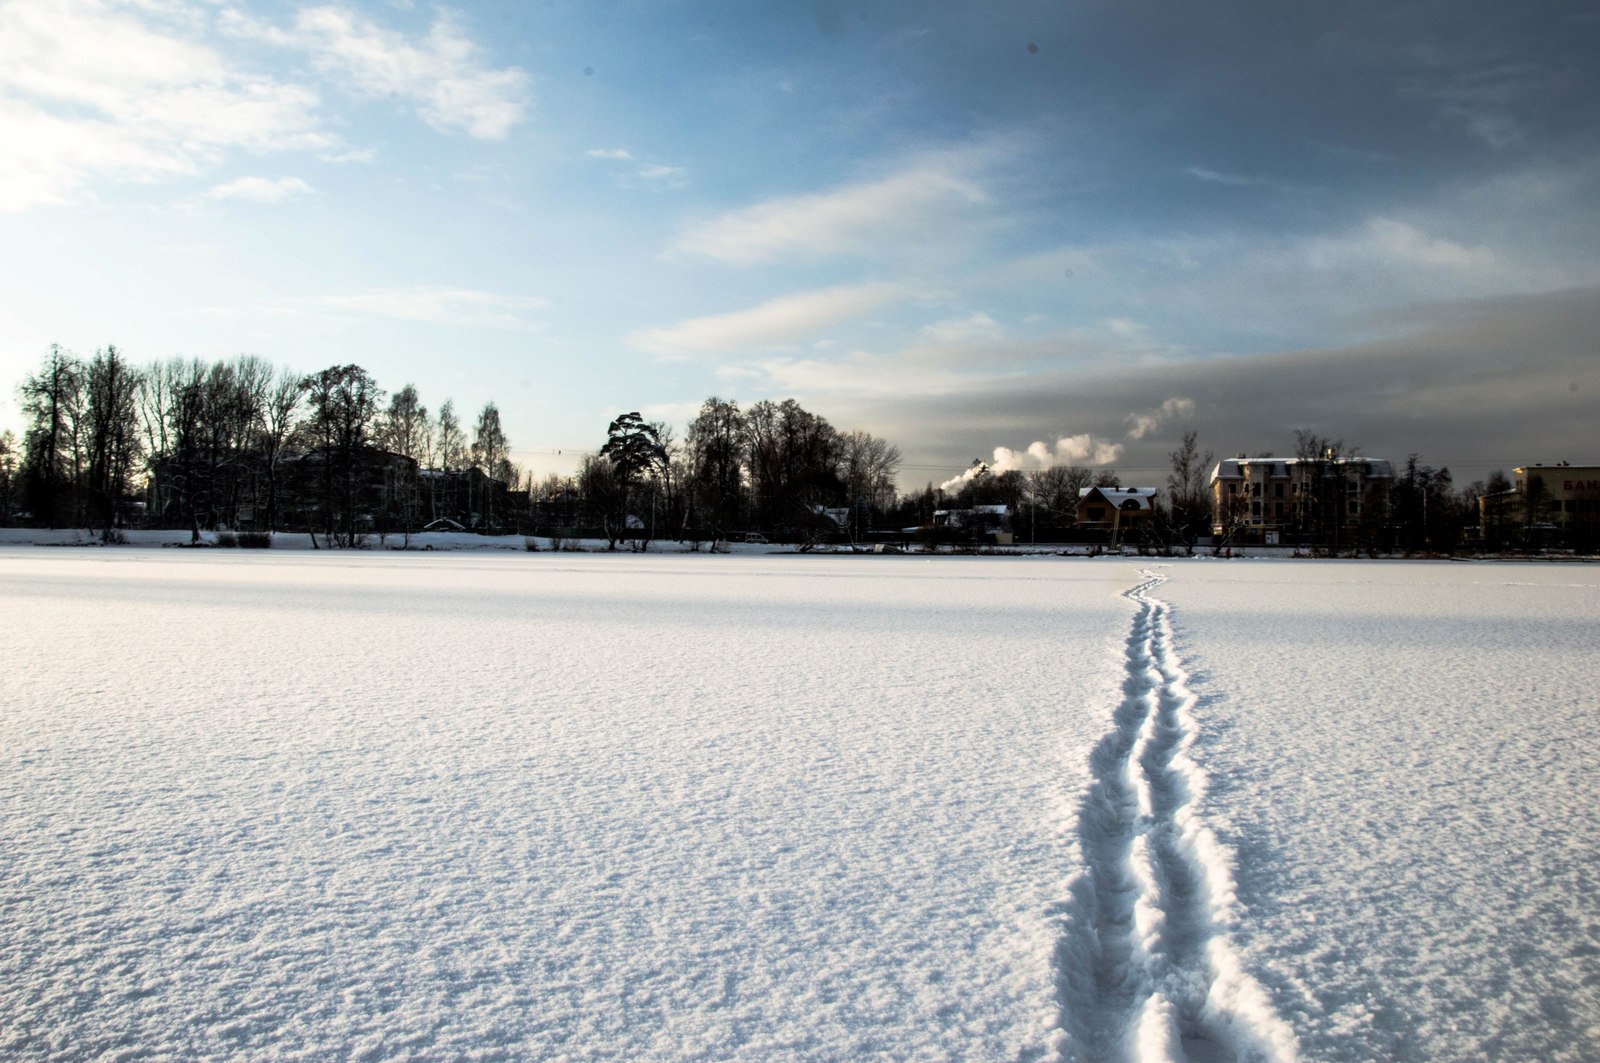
1122 497
1271 467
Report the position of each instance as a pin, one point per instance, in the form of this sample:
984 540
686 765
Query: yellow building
1559 502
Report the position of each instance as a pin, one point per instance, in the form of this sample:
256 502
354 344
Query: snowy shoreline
424 543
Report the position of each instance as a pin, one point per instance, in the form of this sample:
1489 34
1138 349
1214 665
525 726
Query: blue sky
1022 232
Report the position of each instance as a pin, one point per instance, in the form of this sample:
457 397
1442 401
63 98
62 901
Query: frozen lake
599 807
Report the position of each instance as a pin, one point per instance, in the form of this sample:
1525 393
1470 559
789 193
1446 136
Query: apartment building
1326 500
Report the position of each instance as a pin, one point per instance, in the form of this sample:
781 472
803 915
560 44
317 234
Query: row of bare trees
239 443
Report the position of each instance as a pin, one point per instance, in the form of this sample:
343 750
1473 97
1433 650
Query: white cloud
974 327
261 189
610 153
439 306
1143 424
360 155
672 413
88 89
788 319
856 218
856 377
442 74
141 91
1390 243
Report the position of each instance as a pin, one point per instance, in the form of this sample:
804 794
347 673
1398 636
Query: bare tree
10 464
1319 502
112 439
793 458
450 450
715 444
668 478
404 429
489 450
52 398
1053 497
1187 490
868 465
152 399
344 406
280 409
604 495
1496 505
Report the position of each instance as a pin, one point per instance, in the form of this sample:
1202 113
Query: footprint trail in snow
1145 969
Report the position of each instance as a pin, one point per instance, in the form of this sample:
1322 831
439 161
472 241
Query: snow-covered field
1406 758
516 806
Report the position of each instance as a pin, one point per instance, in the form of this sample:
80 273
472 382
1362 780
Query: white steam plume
1142 424
1082 449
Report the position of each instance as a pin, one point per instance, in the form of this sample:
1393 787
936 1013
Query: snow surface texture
623 807
541 806
1146 969
1405 760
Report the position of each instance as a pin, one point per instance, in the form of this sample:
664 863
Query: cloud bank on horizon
1049 234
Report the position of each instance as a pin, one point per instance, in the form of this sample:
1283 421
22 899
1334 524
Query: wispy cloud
443 74
788 319
638 173
852 219
261 189
658 172
1492 101
1220 178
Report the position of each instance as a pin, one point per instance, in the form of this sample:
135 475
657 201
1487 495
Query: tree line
240 444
